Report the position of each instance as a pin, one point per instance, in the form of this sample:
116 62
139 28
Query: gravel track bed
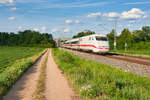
141 70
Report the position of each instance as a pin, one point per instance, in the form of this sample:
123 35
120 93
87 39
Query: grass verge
40 88
14 72
96 81
133 53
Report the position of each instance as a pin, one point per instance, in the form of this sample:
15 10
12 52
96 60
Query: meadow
9 55
14 61
95 81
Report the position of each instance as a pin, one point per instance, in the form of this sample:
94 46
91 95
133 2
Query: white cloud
19 27
35 29
77 21
140 28
88 4
68 21
134 13
111 19
120 25
75 5
11 1
145 16
128 25
132 21
11 18
6 2
136 3
66 30
111 15
43 29
30 1
13 9
97 14
54 30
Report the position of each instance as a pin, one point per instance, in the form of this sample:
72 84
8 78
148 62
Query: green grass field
14 61
9 55
96 81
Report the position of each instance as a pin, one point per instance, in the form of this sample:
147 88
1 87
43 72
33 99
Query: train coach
94 43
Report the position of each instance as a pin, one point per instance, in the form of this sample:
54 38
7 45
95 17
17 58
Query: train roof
95 35
77 39
72 40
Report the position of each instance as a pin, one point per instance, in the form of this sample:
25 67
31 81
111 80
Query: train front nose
103 47
102 44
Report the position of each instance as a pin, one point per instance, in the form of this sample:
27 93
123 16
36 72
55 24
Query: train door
79 44
91 43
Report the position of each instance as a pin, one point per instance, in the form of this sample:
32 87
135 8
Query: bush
142 46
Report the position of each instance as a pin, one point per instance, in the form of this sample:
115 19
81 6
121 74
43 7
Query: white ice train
95 43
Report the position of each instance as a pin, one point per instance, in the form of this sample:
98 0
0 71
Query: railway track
128 58
132 59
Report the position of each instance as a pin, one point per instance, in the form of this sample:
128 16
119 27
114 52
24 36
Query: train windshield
101 38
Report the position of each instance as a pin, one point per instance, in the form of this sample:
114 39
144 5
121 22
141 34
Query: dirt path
24 88
57 87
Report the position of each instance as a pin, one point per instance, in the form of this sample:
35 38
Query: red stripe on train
87 46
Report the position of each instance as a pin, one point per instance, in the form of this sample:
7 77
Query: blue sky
68 17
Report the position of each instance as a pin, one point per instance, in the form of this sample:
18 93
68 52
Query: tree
36 38
110 37
145 34
26 38
13 39
124 38
4 37
85 33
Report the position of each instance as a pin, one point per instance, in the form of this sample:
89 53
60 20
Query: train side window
92 38
89 38
101 38
75 42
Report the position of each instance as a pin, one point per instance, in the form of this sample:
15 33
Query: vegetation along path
56 85
24 88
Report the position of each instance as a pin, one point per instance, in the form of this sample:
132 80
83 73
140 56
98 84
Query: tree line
26 38
136 40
